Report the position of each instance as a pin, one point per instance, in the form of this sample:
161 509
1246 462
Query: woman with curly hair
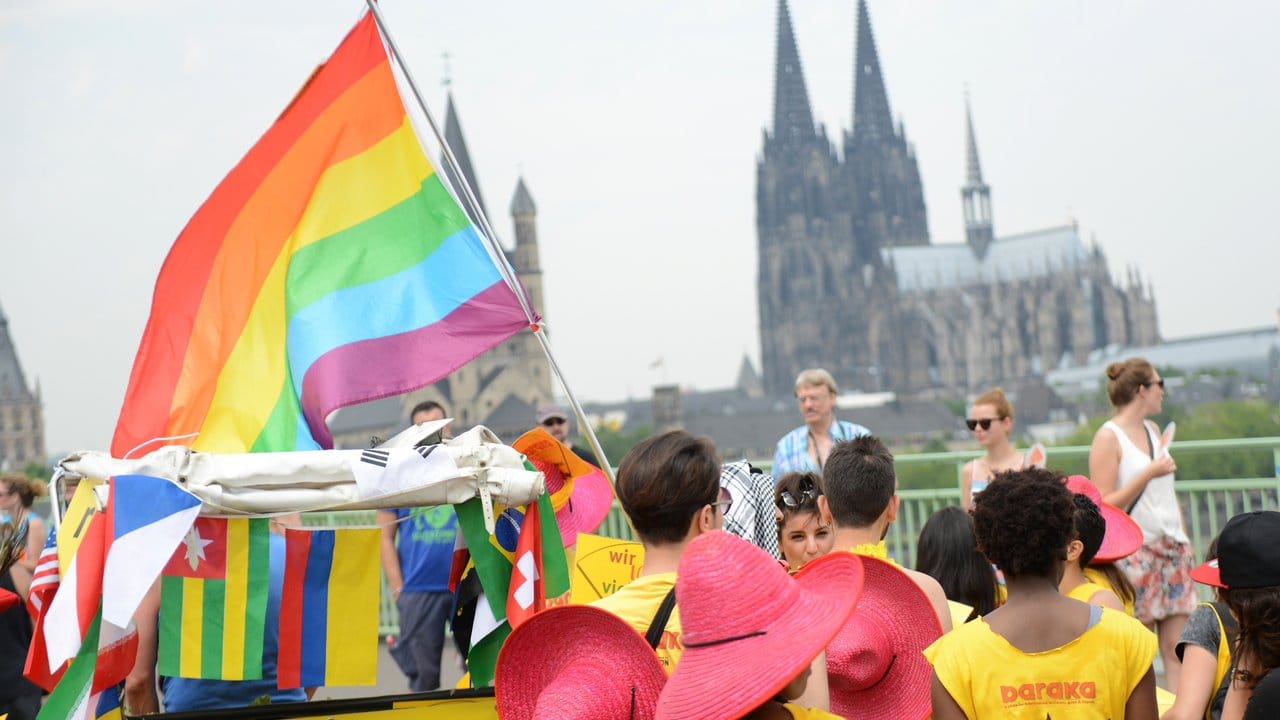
1043 654
1134 473
803 533
1249 567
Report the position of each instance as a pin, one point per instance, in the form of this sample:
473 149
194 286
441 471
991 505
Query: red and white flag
527 594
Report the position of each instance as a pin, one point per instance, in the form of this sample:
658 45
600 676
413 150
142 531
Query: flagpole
504 265
477 212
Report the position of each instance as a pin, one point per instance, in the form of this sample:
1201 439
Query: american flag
45 581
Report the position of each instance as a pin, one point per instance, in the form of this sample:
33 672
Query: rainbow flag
330 267
213 601
329 608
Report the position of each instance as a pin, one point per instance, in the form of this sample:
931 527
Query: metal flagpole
504 265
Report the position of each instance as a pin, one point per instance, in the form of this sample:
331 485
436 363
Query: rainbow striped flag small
329 608
213 601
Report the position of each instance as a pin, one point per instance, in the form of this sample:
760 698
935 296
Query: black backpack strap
660 618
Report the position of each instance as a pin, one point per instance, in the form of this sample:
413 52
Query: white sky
637 127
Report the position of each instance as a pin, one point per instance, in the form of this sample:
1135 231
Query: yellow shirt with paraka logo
637 602
1089 677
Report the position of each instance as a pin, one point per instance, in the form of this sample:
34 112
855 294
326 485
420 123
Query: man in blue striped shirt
806 448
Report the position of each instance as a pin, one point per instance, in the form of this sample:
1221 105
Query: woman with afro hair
1041 654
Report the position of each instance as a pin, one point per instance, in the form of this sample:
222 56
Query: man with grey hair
806 448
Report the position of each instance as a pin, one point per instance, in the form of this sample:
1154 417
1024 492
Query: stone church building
850 280
21 412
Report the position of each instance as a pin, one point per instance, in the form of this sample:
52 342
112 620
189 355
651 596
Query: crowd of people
773 595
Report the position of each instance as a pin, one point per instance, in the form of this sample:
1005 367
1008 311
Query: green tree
617 443
1210 421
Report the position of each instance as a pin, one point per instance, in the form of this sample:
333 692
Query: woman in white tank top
1135 473
991 421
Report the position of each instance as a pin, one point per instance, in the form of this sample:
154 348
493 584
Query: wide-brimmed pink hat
876 666
576 661
1123 536
580 492
748 628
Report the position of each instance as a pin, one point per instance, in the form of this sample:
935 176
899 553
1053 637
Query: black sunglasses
973 423
1159 382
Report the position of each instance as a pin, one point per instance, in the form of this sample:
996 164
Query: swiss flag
527 593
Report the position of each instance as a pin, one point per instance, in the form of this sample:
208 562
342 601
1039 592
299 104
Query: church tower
975 195
880 165
21 414
800 259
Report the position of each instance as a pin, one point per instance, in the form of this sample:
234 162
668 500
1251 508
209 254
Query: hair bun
1114 370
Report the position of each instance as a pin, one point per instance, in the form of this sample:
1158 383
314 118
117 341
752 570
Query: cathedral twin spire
792 114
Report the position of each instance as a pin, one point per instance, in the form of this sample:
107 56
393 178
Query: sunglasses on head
984 423
806 493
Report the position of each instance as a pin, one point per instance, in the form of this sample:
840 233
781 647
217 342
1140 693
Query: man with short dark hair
860 495
555 421
417 568
669 485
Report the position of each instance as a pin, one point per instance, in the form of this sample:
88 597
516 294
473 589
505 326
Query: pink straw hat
748 628
1123 536
580 492
576 661
876 666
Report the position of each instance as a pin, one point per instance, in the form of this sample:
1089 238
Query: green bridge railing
1206 504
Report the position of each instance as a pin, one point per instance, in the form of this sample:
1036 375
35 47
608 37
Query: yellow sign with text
74 522
603 565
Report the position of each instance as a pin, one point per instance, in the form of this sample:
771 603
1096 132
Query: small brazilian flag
213 601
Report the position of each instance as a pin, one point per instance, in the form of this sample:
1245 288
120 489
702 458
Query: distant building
849 279
1220 366
21 410
502 388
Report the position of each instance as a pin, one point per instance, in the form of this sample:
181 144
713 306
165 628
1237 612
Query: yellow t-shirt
637 602
959 613
807 713
1090 677
1084 591
1097 576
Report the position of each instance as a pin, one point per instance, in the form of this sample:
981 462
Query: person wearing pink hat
874 665
1122 538
576 662
1104 533
1042 654
669 486
751 631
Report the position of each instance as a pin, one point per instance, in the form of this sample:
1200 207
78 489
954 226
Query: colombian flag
213 601
329 608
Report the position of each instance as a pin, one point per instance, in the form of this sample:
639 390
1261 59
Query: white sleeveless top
1157 510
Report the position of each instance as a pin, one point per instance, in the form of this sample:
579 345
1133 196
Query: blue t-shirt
194 694
425 543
